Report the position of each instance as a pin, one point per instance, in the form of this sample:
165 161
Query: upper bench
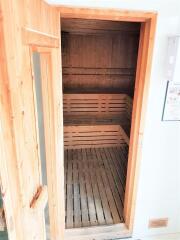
81 109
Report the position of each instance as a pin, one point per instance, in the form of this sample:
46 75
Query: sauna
99 61
74 90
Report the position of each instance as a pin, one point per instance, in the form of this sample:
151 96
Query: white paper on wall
172 102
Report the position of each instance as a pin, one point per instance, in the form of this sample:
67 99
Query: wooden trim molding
105 14
36 38
138 117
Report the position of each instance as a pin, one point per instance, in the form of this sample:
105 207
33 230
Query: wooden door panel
20 172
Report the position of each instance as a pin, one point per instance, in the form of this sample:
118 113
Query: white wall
159 183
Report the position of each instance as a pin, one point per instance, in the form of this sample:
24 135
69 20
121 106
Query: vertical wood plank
113 183
10 188
83 193
91 205
106 183
69 220
102 190
76 192
97 199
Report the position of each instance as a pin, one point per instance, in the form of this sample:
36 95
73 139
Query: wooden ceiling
88 26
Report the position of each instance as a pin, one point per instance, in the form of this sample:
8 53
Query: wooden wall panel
99 62
9 186
18 115
41 17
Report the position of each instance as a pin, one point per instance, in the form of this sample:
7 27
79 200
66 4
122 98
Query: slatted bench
93 109
95 154
94 136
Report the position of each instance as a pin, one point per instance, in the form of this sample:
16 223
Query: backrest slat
105 105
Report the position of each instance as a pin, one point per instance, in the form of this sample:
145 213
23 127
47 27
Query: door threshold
98 232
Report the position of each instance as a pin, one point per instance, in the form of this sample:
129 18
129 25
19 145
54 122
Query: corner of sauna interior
99 61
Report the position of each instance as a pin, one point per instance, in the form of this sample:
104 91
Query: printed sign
172 102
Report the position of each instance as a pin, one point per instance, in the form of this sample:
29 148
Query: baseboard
175 236
115 231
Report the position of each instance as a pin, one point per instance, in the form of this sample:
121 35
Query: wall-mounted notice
171 110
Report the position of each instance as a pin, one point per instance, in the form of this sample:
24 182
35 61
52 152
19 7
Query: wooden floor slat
77 210
83 193
119 155
110 171
116 173
97 199
105 204
90 198
110 199
94 186
118 166
65 179
70 207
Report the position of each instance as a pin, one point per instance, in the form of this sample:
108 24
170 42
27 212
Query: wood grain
104 106
21 170
79 137
20 166
99 63
94 188
36 38
138 115
105 14
49 72
97 26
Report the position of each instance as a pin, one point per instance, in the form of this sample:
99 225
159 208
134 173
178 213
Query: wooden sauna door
34 27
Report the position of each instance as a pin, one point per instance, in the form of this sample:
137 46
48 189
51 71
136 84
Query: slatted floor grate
94 186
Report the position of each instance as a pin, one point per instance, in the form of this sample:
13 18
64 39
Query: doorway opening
99 61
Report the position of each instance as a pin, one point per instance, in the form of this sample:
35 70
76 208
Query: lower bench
92 136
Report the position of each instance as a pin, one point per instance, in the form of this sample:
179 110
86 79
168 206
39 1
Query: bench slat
94 136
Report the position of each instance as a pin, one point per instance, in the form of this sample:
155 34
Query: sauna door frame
143 70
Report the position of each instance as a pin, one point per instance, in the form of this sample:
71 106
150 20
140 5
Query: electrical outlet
158 222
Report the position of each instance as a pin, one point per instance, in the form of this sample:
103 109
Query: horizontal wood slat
96 63
93 25
107 106
98 71
76 137
107 83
